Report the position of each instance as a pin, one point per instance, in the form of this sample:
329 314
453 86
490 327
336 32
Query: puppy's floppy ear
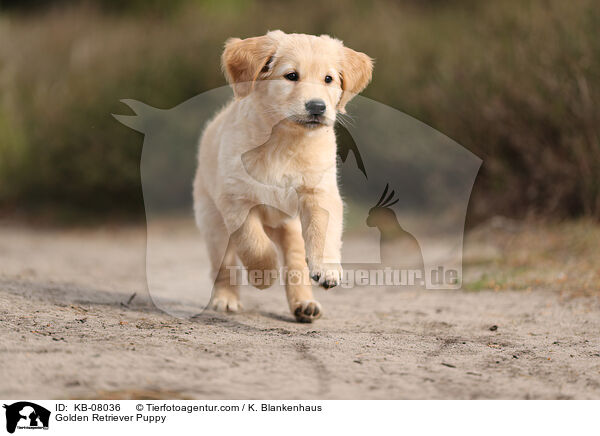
356 72
243 60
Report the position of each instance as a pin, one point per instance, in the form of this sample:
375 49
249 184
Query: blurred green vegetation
516 82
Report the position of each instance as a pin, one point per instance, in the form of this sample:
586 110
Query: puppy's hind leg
256 250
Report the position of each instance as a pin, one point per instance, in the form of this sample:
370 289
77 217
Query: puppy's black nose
315 107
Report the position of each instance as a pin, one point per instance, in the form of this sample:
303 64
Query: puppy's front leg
297 283
321 214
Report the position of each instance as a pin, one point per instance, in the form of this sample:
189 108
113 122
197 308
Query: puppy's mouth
310 121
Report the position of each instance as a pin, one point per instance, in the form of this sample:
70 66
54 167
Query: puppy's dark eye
293 76
328 79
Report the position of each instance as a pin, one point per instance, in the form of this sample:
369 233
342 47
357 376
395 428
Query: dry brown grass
504 254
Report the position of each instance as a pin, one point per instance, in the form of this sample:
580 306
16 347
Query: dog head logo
26 415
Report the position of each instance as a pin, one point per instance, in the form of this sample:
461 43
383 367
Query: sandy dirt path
68 332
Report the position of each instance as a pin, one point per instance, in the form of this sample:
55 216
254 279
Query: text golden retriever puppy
266 184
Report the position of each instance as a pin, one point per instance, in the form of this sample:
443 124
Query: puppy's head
301 79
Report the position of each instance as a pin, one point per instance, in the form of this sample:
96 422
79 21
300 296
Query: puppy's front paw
307 310
327 275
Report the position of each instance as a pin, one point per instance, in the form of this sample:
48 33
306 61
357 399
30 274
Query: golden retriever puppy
266 183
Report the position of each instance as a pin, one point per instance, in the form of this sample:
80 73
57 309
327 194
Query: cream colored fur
266 184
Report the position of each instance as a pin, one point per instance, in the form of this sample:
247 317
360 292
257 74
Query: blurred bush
516 82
